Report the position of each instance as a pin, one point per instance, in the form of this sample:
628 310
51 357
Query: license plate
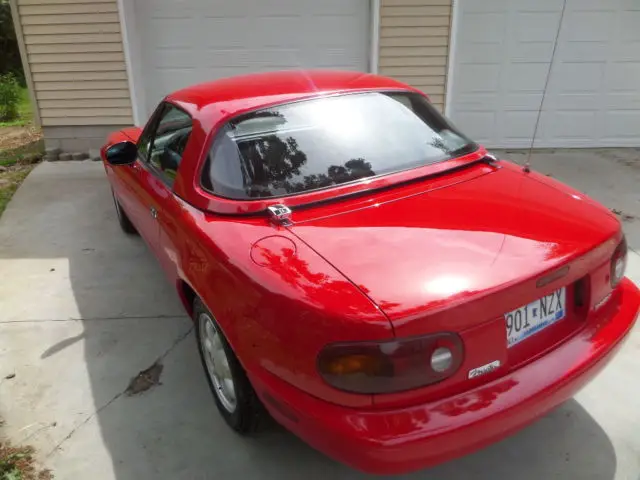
528 320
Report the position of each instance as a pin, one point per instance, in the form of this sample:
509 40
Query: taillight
618 263
391 366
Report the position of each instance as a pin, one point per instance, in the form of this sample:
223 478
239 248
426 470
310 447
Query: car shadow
131 318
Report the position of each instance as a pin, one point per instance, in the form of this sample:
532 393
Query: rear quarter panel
277 307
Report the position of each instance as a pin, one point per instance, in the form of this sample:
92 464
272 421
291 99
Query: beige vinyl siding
414 44
75 54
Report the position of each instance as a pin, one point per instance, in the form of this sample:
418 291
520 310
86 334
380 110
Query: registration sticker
528 320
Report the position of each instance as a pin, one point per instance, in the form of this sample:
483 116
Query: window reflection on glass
318 143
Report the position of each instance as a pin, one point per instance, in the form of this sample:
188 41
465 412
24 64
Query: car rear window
312 144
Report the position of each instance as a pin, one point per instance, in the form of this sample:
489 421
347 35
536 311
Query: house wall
75 55
414 44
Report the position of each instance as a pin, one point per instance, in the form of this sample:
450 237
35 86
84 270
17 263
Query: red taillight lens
391 366
619 263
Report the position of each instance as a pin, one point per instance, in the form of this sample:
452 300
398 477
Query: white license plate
525 321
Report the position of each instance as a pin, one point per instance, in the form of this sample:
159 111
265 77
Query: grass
9 183
25 154
25 150
15 165
25 112
17 463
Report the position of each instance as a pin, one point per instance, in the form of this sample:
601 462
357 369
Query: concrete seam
86 420
175 343
94 319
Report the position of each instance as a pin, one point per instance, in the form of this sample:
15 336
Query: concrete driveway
84 308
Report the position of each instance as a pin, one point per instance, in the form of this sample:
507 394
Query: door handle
154 212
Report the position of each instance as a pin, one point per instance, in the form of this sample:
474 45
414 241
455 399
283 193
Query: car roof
256 90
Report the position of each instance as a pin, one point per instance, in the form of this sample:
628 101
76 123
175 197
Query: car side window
163 144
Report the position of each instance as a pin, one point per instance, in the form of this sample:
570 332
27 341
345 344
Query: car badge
484 369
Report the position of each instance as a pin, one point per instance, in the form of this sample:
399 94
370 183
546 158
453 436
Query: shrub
9 97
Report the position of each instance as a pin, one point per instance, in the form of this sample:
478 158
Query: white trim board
453 33
374 55
131 49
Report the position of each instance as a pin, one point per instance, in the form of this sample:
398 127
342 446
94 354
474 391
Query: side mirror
122 153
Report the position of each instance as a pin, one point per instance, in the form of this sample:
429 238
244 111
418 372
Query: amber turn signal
350 364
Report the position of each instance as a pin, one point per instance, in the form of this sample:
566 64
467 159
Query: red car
357 267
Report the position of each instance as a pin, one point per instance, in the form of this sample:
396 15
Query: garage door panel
623 76
574 77
178 32
529 101
537 52
485 121
480 27
535 6
536 26
518 125
501 65
572 102
629 52
592 5
490 53
622 124
487 6
584 51
588 26
171 57
525 77
630 32
579 124
224 32
478 78
332 7
621 101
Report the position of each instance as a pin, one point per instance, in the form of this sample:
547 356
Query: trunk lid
459 240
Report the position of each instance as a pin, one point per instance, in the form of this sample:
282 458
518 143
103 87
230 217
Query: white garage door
183 42
502 54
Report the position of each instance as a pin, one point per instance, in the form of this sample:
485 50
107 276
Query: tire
242 410
125 224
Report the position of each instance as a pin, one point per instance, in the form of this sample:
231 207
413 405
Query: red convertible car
356 266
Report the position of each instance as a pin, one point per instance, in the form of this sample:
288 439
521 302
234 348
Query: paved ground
83 308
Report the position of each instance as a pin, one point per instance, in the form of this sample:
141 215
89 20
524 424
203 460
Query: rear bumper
405 439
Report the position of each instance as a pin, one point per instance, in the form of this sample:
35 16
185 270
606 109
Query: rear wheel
123 220
234 396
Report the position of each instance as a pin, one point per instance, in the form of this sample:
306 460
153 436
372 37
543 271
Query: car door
127 178
159 157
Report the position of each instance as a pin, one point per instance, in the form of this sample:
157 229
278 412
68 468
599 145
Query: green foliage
10 95
10 61
25 113
11 461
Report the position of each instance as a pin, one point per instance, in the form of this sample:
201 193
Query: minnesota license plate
528 320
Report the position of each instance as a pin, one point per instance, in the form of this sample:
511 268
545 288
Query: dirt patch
145 379
13 137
